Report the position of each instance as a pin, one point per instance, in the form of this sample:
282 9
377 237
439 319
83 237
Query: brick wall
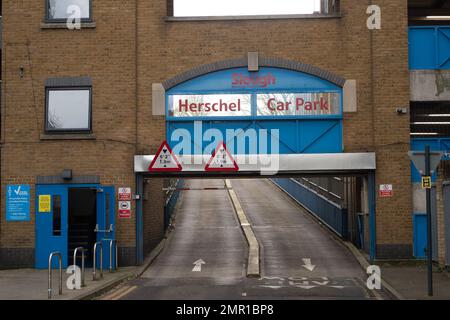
122 78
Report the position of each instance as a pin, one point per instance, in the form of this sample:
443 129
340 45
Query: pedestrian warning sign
222 160
426 182
165 160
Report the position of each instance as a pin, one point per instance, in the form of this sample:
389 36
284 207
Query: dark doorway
82 221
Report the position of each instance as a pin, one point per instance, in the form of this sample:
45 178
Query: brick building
120 63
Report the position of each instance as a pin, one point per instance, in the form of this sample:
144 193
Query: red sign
221 160
386 191
165 160
124 194
254 81
124 209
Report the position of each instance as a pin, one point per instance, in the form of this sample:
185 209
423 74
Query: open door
51 224
106 224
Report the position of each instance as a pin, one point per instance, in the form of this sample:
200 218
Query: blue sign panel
18 203
272 111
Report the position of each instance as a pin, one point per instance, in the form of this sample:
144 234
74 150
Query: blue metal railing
332 215
171 202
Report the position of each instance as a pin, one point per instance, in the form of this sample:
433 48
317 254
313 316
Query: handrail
111 241
94 273
82 262
111 229
58 254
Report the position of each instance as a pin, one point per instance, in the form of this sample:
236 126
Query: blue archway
299 105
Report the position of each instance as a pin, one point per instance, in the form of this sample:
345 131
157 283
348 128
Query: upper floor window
68 109
61 10
202 8
68 105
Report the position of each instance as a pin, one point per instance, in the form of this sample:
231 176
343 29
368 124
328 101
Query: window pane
56 215
68 109
58 8
187 8
107 223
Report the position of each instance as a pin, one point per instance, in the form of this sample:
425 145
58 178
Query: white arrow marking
306 287
198 265
307 264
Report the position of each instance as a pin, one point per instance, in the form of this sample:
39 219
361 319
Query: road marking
112 295
123 294
308 265
198 265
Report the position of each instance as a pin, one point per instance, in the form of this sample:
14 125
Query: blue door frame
49 240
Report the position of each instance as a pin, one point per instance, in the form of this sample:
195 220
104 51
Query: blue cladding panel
420 234
429 48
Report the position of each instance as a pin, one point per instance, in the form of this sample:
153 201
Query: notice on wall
124 194
124 209
386 190
44 203
18 202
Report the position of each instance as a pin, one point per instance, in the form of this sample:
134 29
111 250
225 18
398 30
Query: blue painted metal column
372 217
139 221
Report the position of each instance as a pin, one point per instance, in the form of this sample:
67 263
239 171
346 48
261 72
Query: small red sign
221 160
165 160
386 191
124 209
124 194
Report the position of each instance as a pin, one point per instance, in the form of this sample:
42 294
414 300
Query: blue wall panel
429 48
420 234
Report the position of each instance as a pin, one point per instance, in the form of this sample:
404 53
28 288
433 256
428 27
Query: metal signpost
426 163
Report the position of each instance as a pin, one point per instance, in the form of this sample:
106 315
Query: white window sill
63 25
255 17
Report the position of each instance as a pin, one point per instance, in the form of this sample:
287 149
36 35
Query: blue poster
18 202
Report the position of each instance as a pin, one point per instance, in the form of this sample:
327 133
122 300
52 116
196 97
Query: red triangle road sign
222 160
165 160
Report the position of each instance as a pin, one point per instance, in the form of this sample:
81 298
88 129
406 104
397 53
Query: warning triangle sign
222 160
165 160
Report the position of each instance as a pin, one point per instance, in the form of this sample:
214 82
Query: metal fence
331 214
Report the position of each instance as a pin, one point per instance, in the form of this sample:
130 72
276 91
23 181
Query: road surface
205 257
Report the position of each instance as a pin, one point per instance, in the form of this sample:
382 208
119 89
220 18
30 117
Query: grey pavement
32 284
207 229
411 281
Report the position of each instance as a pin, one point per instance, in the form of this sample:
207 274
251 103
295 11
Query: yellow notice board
44 203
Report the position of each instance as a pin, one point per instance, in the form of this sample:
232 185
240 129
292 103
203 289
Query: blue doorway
72 216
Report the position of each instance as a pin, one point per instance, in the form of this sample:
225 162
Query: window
61 10
68 109
198 8
56 215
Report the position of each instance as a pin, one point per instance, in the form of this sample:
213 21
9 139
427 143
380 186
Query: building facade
124 60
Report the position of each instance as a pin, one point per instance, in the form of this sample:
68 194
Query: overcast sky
243 7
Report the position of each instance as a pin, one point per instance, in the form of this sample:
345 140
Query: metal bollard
58 254
111 242
82 263
95 260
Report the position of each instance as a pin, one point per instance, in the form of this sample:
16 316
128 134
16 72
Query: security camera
402 110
